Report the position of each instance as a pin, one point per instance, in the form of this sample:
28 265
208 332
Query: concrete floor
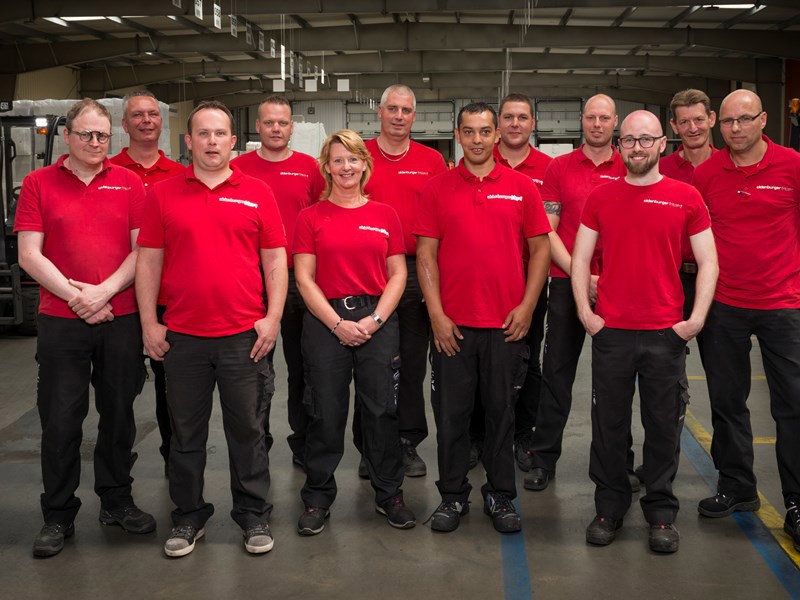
359 555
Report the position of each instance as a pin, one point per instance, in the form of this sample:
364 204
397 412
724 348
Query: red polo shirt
677 167
398 181
212 240
87 228
481 226
643 228
569 180
755 212
534 165
163 168
351 246
296 182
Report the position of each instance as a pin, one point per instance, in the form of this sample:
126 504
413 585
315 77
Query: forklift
19 293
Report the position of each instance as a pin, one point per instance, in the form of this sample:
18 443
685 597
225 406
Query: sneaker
181 540
50 540
363 471
523 451
792 523
413 465
636 485
258 539
722 505
397 513
538 479
505 517
447 516
312 521
131 518
602 530
664 537
475 453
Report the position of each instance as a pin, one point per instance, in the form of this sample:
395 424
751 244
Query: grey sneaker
258 539
413 465
447 516
181 540
505 517
131 518
312 521
396 512
50 540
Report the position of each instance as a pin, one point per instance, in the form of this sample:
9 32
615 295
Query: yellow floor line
768 515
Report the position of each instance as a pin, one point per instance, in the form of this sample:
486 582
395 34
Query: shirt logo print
238 201
513 197
375 229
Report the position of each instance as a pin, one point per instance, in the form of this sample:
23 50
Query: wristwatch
377 319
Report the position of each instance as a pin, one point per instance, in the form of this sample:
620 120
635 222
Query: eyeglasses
743 121
86 136
646 141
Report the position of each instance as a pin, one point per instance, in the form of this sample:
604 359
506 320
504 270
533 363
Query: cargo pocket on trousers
395 365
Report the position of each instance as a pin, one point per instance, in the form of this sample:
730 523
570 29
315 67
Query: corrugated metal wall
331 113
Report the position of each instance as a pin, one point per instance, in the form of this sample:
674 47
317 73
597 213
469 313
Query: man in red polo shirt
401 169
297 183
638 332
141 120
567 183
752 189
205 237
480 305
77 222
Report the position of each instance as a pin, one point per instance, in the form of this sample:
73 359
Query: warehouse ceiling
443 49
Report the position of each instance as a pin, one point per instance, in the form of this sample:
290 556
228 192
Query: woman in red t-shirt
351 271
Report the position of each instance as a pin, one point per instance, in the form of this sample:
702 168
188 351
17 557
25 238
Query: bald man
637 326
752 189
567 183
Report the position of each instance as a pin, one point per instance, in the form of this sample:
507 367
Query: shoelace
502 504
396 502
54 528
259 530
186 532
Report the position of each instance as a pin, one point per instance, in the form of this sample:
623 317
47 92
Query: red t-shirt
296 182
212 240
680 169
351 246
398 183
642 229
568 180
481 226
163 168
534 165
87 228
756 224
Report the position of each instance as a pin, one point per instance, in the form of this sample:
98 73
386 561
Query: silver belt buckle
346 305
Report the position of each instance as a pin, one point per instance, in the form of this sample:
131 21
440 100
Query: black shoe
722 505
398 515
363 471
636 485
792 523
475 453
50 540
505 517
448 515
312 521
602 530
131 518
639 472
523 451
538 479
182 539
664 538
413 465
258 539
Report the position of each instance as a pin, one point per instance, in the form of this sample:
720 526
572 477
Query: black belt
689 267
354 302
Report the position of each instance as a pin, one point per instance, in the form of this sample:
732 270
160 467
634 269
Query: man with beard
638 332
752 190
567 183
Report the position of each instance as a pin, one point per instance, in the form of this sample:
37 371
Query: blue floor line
516 578
781 565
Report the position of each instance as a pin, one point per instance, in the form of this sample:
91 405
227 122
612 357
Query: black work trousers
658 359
160 385
195 366
727 362
330 367
72 355
499 368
